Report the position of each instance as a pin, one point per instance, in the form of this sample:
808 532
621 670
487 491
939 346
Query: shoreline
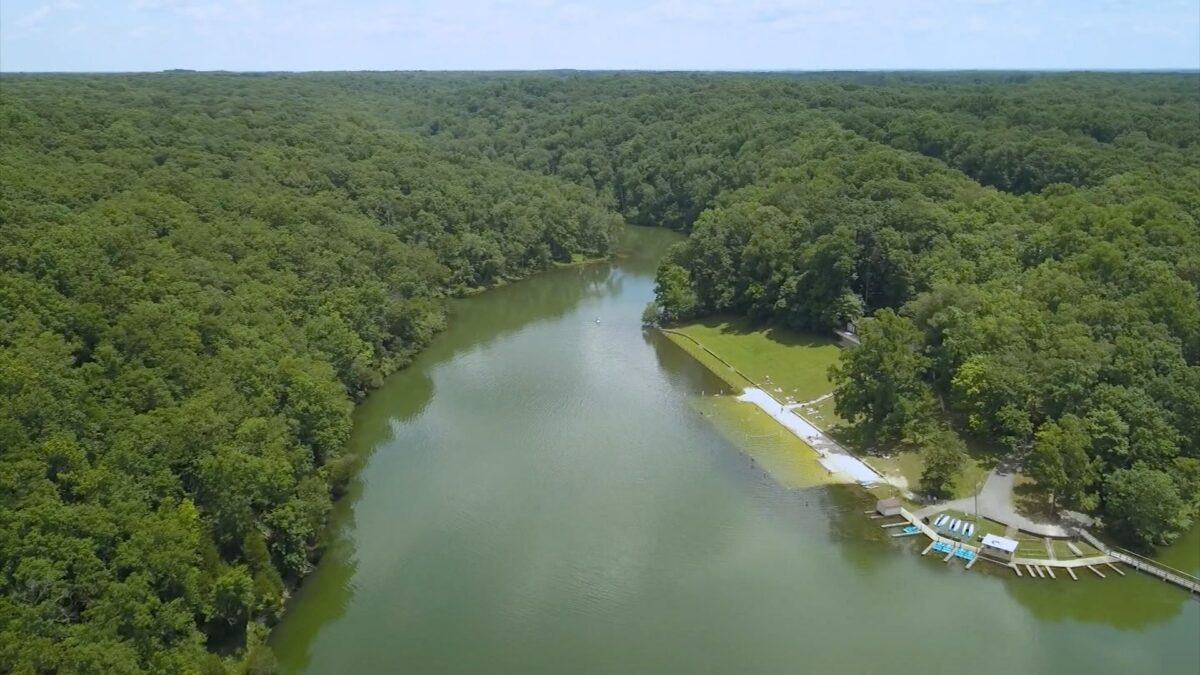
836 459
842 463
832 456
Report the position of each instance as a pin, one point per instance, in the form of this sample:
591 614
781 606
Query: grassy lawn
909 465
982 525
792 366
1061 551
823 415
1029 546
1030 500
973 473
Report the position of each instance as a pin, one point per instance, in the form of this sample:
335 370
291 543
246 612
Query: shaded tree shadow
989 454
1132 602
859 539
739 326
1030 501
326 593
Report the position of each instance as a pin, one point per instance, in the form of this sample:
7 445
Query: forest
202 272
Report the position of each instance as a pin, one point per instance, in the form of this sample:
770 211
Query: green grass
909 464
905 464
982 525
823 415
973 473
1061 551
1029 546
792 366
1029 498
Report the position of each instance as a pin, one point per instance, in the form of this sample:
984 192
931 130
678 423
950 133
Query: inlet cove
551 487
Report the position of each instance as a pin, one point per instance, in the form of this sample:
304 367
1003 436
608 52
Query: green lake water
539 494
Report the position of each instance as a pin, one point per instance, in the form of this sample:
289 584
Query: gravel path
996 503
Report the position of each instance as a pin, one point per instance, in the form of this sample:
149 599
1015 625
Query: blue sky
83 35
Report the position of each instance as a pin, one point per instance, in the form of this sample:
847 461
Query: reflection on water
541 494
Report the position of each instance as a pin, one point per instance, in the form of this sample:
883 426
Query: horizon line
746 71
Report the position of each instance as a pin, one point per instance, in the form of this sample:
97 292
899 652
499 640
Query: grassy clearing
909 465
1029 546
793 366
826 414
1061 550
1029 498
974 472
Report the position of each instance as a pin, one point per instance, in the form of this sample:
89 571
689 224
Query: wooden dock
1043 568
1137 562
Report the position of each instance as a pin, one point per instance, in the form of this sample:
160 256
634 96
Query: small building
998 548
888 507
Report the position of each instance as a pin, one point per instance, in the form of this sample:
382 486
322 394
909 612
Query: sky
249 35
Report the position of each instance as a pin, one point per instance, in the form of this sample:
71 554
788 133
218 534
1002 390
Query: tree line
202 272
197 278
1055 316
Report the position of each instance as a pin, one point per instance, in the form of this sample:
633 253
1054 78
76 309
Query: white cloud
35 18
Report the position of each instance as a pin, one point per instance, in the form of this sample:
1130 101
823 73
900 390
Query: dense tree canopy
200 272
196 282
1058 315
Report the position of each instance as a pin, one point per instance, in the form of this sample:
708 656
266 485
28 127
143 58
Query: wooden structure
1000 549
1137 562
888 507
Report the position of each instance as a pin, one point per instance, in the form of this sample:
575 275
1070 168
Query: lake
540 494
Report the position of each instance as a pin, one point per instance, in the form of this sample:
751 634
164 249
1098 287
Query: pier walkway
1174 576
